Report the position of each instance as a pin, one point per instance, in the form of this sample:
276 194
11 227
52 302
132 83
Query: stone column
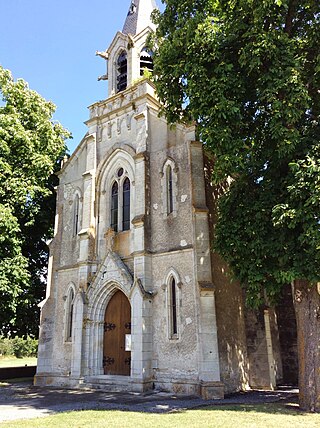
141 353
87 232
77 337
208 363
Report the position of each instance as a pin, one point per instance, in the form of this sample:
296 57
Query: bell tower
128 56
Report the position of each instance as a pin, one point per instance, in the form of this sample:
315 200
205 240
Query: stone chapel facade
135 298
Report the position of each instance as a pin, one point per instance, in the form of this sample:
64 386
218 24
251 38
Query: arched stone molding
164 188
137 285
112 269
107 175
76 215
77 335
95 326
173 275
115 158
113 275
171 272
119 39
140 40
69 299
77 191
117 147
119 45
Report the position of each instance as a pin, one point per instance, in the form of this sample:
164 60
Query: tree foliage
30 147
249 72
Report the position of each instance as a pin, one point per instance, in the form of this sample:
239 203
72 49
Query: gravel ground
21 400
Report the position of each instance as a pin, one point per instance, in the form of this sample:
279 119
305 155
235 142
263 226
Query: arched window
169 189
69 314
126 204
114 206
146 61
132 9
122 70
172 307
120 201
76 216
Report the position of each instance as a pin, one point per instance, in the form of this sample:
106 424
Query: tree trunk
306 300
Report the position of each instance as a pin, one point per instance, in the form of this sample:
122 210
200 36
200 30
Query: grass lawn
241 416
12 361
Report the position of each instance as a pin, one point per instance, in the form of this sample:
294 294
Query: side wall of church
229 307
249 345
288 337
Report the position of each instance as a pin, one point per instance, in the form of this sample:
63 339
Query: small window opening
169 190
70 315
122 68
173 295
76 216
126 205
114 206
146 61
132 8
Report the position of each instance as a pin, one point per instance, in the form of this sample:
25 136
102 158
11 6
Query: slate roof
138 16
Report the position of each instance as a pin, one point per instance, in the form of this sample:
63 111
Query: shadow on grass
23 395
270 408
10 382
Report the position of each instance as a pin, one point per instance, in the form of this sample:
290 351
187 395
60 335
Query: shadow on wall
256 348
234 366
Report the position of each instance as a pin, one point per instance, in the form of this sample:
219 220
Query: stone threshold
115 383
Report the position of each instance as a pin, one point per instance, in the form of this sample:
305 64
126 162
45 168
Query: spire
138 17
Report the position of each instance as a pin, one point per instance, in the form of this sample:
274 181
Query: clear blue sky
52 45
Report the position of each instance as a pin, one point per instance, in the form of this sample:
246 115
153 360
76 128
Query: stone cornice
206 286
200 210
124 100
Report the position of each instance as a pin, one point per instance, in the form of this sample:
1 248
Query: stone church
136 300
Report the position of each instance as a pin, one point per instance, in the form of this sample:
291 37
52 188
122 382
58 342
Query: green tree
248 73
31 145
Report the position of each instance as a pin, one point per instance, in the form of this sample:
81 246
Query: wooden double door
117 336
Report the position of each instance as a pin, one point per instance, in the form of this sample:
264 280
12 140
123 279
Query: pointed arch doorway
117 336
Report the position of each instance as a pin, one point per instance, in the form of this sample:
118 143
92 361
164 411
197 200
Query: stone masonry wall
288 337
229 308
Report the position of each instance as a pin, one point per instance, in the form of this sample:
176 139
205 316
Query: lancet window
146 61
122 72
173 307
76 214
69 314
169 189
120 202
169 182
114 206
126 204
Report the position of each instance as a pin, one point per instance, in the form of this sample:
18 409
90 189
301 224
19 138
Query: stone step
109 383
